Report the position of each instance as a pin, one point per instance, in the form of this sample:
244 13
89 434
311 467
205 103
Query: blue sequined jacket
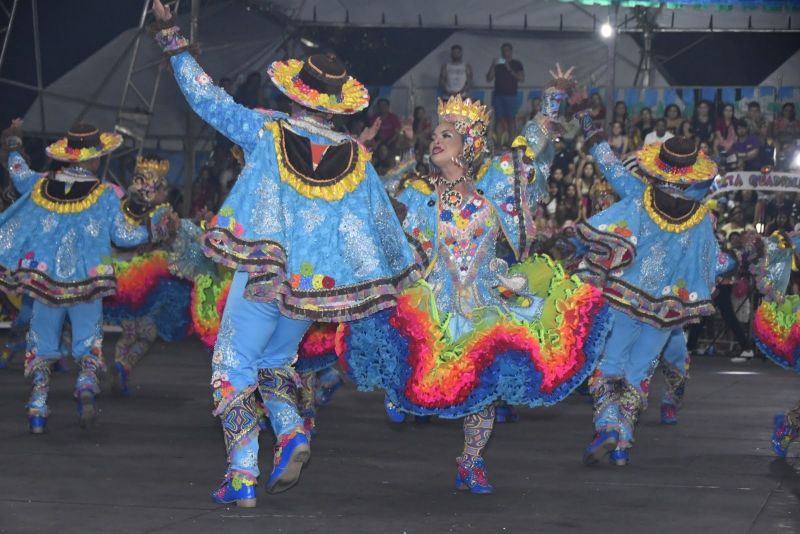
321 241
660 271
59 251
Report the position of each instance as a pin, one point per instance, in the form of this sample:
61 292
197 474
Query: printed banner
757 181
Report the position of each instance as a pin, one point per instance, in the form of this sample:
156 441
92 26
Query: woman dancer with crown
475 331
154 286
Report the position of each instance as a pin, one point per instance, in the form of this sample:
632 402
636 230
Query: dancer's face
446 145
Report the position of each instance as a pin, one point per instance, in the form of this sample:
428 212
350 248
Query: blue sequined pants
675 368
44 347
622 380
255 349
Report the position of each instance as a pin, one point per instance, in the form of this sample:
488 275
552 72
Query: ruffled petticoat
407 351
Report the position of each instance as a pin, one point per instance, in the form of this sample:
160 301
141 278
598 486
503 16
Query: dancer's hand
163 13
562 75
368 134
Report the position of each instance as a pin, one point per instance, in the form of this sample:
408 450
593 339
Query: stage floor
153 458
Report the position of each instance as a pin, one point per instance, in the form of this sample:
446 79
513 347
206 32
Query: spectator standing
643 126
455 77
786 128
686 130
506 73
725 129
390 123
564 158
755 119
618 141
569 208
672 114
702 124
747 148
659 134
597 110
621 116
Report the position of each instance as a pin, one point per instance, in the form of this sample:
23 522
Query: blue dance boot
603 443
471 475
329 382
120 385
292 452
669 414
87 409
783 434
619 457
37 424
505 414
236 489
394 414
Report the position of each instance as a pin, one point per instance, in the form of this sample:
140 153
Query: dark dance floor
152 459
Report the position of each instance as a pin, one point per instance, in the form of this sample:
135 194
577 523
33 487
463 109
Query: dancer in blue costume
656 257
56 248
776 325
477 331
312 235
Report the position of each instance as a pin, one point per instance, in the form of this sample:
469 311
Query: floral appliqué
308 279
225 219
29 262
679 290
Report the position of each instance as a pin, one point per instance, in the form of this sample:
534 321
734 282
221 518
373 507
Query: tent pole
611 62
37 52
7 37
647 80
188 178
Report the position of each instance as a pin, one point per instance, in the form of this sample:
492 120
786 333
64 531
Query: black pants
722 300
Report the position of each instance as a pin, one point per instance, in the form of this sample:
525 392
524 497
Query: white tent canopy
787 75
537 54
511 14
234 41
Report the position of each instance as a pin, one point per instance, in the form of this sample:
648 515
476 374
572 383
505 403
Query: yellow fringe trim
663 223
65 206
331 192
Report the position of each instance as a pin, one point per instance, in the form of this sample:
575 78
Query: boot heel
246 503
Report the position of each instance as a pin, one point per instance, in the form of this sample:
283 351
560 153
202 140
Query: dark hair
661 119
506 45
458 46
753 104
383 99
707 103
791 105
671 106
685 121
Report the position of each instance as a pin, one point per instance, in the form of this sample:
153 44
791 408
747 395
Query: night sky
72 29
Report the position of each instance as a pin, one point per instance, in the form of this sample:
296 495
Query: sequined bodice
467 240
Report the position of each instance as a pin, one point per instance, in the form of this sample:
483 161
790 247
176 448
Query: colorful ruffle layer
146 288
776 331
316 351
208 302
407 351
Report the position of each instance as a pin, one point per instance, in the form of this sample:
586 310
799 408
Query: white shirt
653 137
455 76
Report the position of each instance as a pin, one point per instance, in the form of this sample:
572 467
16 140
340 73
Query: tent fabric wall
511 14
538 55
233 42
787 75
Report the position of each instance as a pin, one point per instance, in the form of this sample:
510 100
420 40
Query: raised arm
22 175
236 122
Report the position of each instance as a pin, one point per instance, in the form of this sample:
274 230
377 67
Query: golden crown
160 167
463 108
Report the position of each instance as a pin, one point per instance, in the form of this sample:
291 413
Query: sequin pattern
66 257
7 234
359 248
312 217
267 212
